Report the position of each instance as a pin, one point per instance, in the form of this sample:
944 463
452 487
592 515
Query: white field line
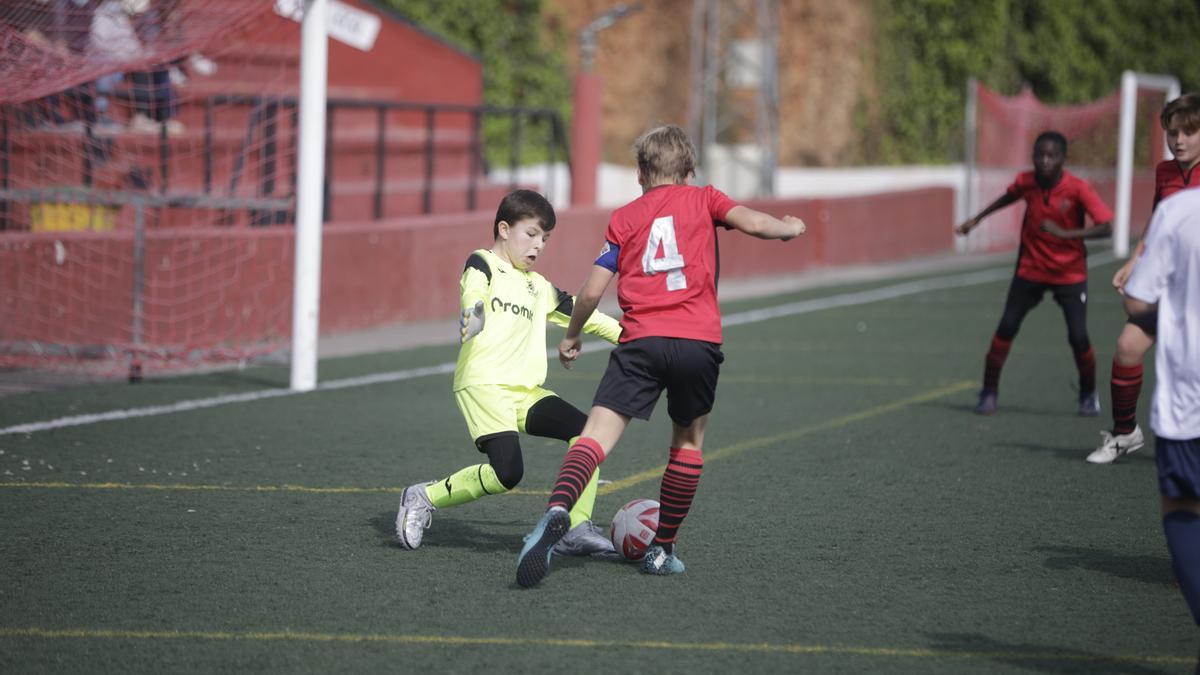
736 319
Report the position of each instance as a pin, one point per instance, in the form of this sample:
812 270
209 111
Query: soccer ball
633 528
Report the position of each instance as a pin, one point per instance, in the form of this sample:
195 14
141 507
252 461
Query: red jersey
666 262
1170 177
1044 257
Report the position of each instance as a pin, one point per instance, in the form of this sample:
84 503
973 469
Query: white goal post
1131 82
306 299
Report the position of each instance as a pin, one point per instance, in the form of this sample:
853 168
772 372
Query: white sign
347 24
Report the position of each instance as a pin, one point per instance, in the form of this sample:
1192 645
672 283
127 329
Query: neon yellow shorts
491 409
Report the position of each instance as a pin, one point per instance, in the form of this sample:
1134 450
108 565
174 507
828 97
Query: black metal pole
380 158
427 198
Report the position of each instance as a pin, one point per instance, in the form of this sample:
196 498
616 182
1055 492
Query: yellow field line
738 448
768 379
454 640
606 488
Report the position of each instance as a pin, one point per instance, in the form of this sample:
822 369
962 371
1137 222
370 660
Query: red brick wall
213 286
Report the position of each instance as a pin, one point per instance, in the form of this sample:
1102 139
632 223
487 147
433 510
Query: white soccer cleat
414 517
1112 447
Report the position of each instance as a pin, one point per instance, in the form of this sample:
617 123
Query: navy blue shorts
1178 468
639 370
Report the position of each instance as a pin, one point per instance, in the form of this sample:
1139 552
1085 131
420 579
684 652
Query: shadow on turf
968 408
1036 657
473 535
454 533
1143 568
1074 453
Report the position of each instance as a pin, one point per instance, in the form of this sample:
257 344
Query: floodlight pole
306 299
586 125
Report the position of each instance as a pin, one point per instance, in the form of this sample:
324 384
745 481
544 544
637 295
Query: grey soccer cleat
414 516
1089 404
533 564
987 402
658 561
583 540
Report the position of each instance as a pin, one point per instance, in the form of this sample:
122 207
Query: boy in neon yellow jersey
500 371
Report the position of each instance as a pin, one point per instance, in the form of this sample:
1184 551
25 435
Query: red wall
233 286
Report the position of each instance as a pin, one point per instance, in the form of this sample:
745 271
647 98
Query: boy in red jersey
1052 258
663 247
1181 121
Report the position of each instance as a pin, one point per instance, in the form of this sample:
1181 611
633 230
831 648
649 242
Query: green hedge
1069 51
523 61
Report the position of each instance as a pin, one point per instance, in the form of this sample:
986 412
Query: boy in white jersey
1167 280
500 371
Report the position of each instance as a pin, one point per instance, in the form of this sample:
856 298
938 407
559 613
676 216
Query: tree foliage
1069 51
523 62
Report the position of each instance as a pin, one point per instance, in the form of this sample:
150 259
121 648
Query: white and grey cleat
585 539
414 517
1113 446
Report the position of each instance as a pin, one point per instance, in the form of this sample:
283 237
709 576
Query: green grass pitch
854 516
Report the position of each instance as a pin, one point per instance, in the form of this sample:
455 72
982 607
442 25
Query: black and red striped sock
1086 364
577 469
994 361
679 483
1126 385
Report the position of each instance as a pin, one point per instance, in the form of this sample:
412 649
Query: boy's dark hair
665 153
521 204
1053 137
1183 113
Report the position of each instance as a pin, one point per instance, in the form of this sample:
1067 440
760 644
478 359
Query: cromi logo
499 305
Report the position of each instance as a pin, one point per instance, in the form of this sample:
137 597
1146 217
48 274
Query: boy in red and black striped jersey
1180 120
1052 258
662 247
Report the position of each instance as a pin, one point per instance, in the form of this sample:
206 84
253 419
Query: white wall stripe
736 319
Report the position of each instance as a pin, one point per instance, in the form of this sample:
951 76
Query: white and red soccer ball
633 528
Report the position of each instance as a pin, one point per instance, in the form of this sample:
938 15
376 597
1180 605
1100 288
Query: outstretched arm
585 303
764 225
999 203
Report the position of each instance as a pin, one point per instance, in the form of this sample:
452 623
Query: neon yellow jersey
511 348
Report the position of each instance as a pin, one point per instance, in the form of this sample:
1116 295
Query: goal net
144 146
1000 135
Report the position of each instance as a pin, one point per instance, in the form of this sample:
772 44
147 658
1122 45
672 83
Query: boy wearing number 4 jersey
663 248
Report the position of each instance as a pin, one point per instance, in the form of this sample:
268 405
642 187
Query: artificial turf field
854 516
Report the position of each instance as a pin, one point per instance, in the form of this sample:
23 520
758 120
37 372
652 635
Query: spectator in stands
112 39
155 101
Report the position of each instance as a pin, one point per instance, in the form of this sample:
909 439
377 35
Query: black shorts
1148 322
639 370
1178 467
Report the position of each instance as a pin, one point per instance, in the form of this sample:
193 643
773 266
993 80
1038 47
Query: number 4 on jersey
662 231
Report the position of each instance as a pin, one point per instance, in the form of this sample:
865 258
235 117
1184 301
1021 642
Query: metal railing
263 124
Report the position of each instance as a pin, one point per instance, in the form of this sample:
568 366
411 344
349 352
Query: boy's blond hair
665 153
1183 113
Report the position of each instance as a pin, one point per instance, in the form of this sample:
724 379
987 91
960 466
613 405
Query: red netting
1006 127
124 123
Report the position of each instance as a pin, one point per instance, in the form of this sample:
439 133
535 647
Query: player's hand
966 226
470 323
800 227
568 351
1122 276
1052 228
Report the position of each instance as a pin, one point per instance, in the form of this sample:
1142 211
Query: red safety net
1006 127
124 123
